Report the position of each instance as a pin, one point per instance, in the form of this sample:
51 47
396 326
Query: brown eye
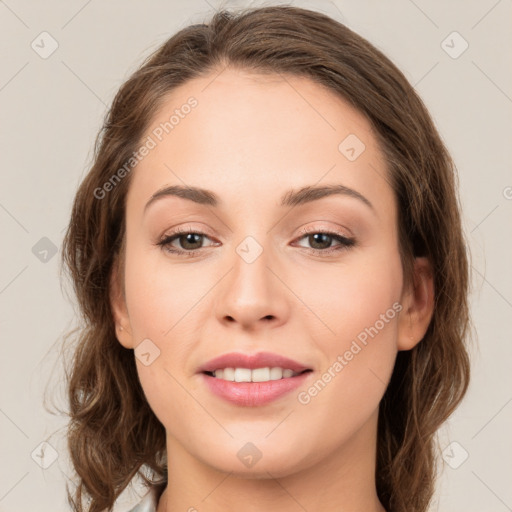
321 241
190 241
187 243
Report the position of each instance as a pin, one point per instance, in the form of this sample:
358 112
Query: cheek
165 305
161 297
343 300
359 308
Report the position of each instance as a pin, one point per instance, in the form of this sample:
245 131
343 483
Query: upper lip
251 361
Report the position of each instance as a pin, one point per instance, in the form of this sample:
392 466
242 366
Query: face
312 277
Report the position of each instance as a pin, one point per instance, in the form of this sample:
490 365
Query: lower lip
253 394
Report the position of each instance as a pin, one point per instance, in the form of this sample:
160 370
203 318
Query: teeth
256 375
242 375
276 373
228 374
260 375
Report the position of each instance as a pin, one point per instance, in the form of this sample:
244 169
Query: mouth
262 365
253 380
266 374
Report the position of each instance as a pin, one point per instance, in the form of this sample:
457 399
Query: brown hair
113 434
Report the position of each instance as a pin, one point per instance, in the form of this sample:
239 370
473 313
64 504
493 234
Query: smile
249 392
253 375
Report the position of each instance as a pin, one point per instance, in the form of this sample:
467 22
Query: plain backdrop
62 63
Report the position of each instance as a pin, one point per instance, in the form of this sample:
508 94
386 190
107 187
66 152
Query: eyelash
345 242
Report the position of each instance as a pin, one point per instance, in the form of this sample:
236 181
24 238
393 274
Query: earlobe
119 309
418 306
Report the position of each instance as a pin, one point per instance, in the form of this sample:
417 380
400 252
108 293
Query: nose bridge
251 291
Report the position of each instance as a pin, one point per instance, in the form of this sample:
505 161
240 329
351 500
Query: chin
248 463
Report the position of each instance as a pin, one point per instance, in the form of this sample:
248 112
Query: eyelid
321 229
183 230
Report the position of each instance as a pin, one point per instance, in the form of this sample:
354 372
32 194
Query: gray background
51 110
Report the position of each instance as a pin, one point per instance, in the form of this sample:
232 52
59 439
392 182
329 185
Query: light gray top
148 503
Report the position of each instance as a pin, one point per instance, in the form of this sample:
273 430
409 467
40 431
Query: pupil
321 236
191 235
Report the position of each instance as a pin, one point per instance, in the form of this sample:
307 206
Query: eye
189 240
321 241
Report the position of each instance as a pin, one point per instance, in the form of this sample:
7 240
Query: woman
269 258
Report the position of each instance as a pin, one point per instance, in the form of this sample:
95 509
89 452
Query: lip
252 361
253 394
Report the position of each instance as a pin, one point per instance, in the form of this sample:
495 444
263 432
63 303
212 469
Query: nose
252 295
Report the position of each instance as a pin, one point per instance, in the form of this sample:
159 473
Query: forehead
253 135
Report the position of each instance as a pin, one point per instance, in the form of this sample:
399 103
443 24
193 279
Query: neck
341 482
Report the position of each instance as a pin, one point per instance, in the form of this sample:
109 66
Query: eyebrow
290 198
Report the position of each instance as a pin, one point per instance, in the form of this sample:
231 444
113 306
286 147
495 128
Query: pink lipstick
253 380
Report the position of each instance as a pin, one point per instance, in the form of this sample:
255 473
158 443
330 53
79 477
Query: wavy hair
113 435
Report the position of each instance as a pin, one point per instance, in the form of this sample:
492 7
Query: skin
250 139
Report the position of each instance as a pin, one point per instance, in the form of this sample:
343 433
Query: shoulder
148 503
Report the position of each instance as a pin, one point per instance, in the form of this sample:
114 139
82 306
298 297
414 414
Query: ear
418 306
118 307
